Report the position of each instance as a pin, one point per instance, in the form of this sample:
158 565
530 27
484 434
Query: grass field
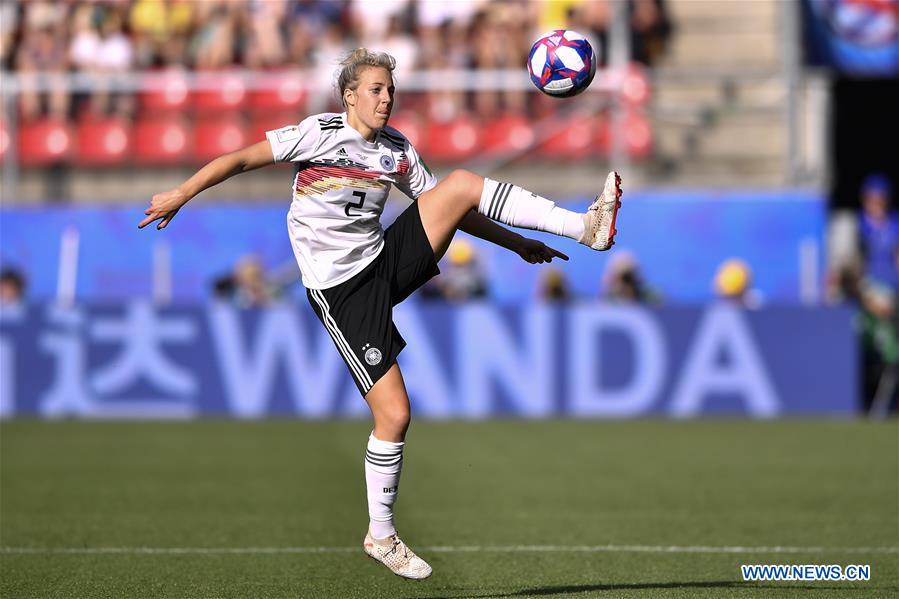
277 509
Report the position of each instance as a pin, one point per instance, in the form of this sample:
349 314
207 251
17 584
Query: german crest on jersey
387 162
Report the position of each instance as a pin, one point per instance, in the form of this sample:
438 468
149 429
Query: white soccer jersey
340 185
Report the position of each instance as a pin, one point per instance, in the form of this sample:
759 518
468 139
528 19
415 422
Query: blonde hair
352 65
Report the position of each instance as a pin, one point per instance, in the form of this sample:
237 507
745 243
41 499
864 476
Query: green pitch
277 509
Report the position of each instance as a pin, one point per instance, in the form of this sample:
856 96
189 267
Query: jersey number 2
361 196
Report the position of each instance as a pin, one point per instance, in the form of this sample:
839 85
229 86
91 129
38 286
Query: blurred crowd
464 277
44 38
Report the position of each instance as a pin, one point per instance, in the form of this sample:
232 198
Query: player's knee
397 421
466 184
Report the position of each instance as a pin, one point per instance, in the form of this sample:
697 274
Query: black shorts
358 314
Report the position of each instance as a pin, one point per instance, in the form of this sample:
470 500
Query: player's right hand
163 206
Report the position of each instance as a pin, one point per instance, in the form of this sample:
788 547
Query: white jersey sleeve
418 179
295 143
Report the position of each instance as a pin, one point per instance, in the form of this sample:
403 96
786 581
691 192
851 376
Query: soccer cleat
394 554
599 221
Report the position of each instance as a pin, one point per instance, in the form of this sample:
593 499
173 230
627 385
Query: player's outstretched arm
530 250
167 204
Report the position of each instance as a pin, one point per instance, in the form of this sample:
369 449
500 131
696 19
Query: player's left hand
537 252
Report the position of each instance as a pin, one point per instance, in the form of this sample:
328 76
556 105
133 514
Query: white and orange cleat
394 554
599 221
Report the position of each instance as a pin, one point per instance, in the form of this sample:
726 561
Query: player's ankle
585 238
381 532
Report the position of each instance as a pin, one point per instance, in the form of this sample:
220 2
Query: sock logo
389 490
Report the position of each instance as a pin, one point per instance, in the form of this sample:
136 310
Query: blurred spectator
495 33
437 13
251 287
326 51
554 286
559 14
444 48
85 38
843 242
9 23
315 29
650 30
374 19
41 59
12 287
398 43
214 45
100 48
318 13
879 232
595 16
733 282
876 324
247 286
160 29
461 278
622 281
651 27
265 45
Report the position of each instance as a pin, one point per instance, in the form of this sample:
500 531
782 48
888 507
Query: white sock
383 463
519 207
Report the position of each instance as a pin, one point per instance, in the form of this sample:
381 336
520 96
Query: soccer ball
562 63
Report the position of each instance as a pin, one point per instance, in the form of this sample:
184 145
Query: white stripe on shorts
342 344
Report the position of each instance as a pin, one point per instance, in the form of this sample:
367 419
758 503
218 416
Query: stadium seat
103 142
218 92
572 138
43 142
168 93
507 134
635 88
216 136
161 141
602 134
452 140
4 140
279 92
638 136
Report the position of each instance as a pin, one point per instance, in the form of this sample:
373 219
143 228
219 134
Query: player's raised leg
389 405
443 208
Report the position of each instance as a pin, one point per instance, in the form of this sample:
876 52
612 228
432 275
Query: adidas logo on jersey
342 152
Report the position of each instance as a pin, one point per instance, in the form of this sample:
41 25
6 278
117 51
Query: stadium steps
724 32
717 106
743 131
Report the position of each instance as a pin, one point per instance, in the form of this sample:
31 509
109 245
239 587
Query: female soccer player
355 272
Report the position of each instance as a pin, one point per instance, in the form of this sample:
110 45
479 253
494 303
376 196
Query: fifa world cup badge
373 356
